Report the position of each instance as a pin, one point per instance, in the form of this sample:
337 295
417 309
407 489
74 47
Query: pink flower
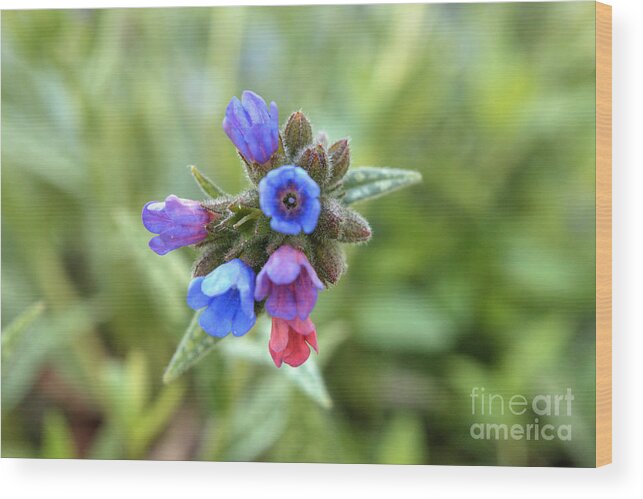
290 283
289 340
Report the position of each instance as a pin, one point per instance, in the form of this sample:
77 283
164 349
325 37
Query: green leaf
307 377
208 187
368 182
13 332
194 346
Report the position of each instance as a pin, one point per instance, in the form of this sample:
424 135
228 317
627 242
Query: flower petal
297 351
181 235
310 215
255 106
219 315
281 302
213 324
304 326
196 298
186 211
263 285
154 217
221 279
283 265
305 295
285 227
158 246
278 335
311 339
242 322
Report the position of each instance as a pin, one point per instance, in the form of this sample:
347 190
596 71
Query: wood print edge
603 234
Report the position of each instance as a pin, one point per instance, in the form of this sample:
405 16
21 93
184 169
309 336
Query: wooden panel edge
603 234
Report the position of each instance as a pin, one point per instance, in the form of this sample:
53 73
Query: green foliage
14 331
194 345
208 187
367 182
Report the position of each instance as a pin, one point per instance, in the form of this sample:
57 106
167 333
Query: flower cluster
273 247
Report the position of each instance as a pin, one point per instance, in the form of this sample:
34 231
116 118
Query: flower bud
297 134
330 261
178 222
354 228
340 159
340 223
315 161
253 127
330 219
322 138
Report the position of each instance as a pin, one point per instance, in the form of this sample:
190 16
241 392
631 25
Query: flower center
290 200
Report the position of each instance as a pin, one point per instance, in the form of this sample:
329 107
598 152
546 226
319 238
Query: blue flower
291 198
179 222
251 127
227 293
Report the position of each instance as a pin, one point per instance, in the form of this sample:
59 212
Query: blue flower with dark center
252 128
227 293
291 199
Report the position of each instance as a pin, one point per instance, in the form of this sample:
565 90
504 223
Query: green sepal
208 187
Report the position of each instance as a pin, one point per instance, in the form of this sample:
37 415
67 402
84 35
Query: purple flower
290 283
227 293
251 127
178 222
291 198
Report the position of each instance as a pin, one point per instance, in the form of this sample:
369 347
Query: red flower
289 340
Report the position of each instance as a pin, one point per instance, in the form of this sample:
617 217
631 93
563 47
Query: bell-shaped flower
290 284
289 340
178 222
291 199
252 128
227 294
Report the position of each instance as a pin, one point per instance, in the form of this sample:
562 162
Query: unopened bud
330 261
340 160
354 228
315 161
297 134
330 219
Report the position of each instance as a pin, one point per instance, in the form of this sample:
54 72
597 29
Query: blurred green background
483 275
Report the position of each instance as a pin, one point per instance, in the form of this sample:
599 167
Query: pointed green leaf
208 187
368 182
307 377
194 345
